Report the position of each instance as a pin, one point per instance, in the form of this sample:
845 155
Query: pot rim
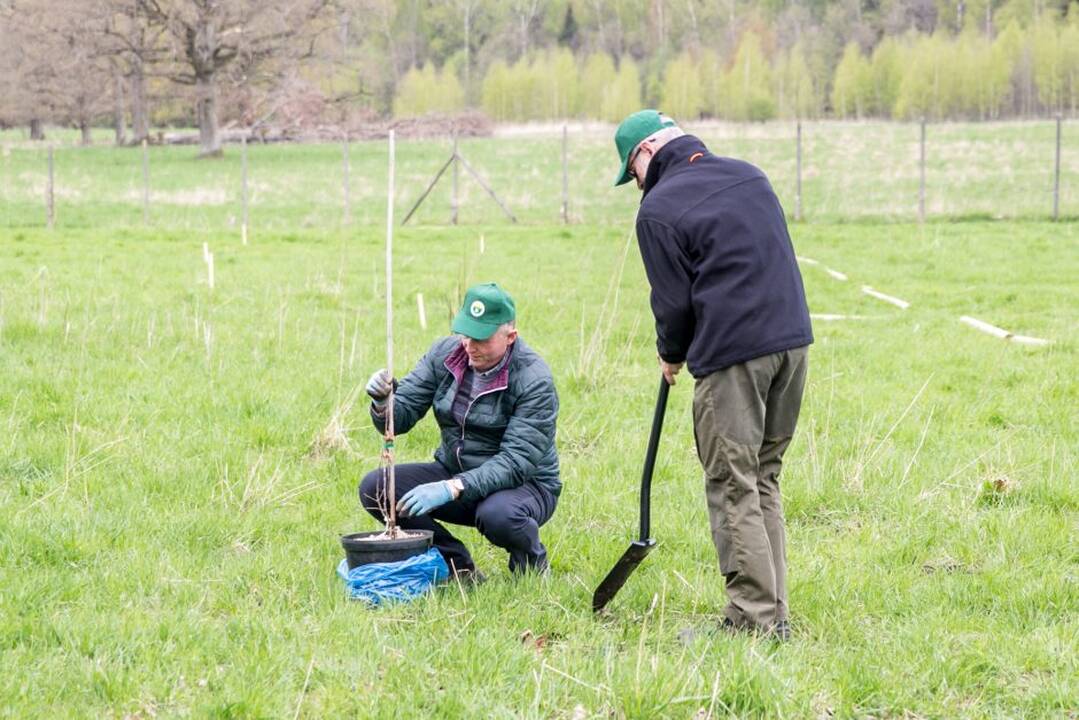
351 541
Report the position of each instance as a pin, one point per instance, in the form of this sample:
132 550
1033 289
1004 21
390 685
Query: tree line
1020 71
245 63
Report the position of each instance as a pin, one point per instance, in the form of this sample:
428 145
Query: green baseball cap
486 307
632 131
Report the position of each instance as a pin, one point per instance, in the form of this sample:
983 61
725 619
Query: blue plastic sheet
378 583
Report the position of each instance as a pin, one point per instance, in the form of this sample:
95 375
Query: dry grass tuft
333 437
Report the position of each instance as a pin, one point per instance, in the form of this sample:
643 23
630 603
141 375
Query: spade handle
650 457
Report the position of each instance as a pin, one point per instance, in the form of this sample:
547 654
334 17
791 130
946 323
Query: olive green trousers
744 417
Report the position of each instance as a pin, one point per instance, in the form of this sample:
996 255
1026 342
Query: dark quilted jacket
508 436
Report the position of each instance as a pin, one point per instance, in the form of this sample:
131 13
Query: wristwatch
457 486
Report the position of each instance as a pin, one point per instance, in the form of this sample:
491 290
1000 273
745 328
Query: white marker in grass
985 327
421 310
807 261
833 316
901 304
836 274
243 188
1001 332
205 252
210 270
483 246
1027 340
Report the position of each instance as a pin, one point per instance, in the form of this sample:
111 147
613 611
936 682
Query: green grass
851 172
169 546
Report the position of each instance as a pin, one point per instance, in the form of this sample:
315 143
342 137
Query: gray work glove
379 387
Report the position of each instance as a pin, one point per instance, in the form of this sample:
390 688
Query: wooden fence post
454 200
50 207
345 180
145 183
798 176
565 175
921 179
1056 174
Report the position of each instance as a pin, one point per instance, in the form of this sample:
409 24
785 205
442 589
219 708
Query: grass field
169 540
851 171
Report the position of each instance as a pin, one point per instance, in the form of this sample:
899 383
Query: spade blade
636 552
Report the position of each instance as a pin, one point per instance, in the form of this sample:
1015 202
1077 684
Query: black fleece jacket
725 283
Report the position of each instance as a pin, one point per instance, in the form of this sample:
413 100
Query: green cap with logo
632 131
486 307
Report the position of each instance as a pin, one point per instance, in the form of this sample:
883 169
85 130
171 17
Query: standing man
496 468
728 300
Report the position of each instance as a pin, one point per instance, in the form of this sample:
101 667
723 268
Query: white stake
807 261
391 491
422 311
1001 332
389 263
830 316
243 184
210 270
836 274
985 327
206 252
1027 340
902 304
483 246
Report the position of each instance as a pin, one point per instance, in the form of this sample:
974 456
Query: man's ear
511 336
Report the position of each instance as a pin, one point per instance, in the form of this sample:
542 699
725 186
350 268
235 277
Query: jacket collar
670 156
457 363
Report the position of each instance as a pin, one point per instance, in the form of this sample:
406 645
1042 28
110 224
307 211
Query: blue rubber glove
422 499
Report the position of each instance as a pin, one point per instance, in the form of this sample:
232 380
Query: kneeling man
496 468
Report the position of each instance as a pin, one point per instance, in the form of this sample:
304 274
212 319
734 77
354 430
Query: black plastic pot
362 552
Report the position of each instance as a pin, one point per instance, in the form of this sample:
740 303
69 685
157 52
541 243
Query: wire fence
826 171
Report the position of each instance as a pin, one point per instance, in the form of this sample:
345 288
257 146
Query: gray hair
662 137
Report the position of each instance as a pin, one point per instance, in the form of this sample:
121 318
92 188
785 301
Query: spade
638 549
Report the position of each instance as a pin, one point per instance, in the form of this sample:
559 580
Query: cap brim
465 324
623 174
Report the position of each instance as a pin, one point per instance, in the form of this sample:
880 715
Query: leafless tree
467 9
133 42
250 36
525 13
54 71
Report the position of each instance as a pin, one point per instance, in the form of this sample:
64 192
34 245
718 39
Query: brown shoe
780 631
468 577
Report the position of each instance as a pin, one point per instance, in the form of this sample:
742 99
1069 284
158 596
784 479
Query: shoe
780 631
730 628
519 568
541 569
468 577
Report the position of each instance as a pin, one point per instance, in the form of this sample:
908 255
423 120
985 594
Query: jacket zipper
464 420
